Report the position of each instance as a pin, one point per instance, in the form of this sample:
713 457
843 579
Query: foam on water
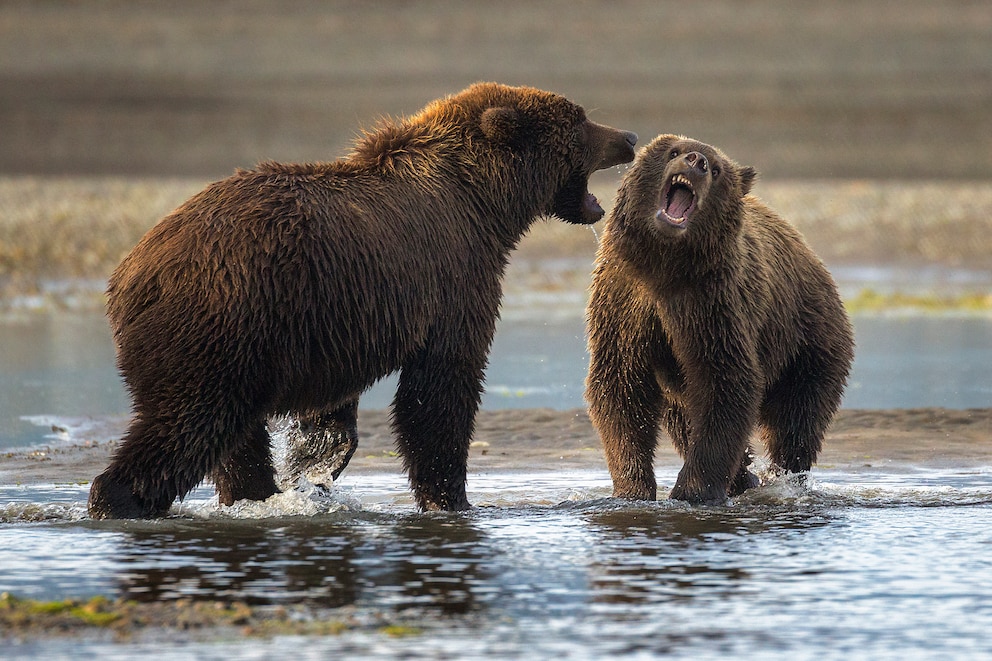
305 499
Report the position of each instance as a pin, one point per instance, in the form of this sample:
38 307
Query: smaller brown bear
711 315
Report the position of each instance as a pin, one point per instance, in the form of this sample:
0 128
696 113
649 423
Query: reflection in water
654 554
248 562
890 569
409 562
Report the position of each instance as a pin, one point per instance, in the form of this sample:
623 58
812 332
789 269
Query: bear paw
698 492
114 499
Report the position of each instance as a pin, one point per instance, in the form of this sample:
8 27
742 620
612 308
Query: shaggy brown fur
293 288
710 315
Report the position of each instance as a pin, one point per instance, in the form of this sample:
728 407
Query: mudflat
552 440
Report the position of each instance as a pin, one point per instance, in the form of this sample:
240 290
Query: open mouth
591 207
575 204
678 201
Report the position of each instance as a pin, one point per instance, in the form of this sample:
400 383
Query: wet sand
550 440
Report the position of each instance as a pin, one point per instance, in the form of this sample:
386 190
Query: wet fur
292 288
709 332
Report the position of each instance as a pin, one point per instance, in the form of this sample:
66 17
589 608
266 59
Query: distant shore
61 237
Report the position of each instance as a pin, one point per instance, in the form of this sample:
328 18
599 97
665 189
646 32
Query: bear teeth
683 180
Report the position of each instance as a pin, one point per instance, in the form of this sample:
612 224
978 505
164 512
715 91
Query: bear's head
688 188
551 144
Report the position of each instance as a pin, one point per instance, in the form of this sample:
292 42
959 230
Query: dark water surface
882 566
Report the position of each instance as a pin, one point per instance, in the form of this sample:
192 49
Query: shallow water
878 565
891 562
58 366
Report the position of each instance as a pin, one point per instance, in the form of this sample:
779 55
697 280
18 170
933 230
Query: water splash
41 512
304 499
587 490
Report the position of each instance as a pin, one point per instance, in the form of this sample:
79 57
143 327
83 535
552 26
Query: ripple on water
549 565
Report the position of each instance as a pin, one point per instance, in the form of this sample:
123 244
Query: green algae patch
47 607
126 620
870 301
97 612
400 631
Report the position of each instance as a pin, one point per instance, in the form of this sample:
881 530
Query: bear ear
500 124
747 175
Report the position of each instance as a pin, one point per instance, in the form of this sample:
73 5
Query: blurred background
896 93
830 88
870 122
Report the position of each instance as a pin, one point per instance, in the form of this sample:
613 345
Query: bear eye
673 153
716 171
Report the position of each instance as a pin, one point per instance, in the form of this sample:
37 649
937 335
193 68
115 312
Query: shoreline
61 237
517 440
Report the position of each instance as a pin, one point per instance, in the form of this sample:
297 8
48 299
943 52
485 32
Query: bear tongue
679 201
591 205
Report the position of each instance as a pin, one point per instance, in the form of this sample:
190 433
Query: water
870 566
58 366
889 561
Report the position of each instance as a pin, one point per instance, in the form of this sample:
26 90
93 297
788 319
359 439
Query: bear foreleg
433 418
721 416
627 420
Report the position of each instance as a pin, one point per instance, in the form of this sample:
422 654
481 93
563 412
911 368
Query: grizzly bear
292 288
710 315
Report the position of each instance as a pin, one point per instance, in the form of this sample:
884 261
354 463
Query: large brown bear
709 314
293 288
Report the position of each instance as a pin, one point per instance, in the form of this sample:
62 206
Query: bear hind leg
796 413
153 466
673 417
323 444
247 474
744 479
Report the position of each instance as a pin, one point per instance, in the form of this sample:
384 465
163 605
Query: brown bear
710 315
292 288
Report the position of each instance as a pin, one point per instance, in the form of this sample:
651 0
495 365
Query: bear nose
697 161
631 137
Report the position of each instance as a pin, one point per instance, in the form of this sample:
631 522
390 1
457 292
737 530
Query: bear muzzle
615 146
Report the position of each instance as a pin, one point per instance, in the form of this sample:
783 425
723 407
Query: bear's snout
614 146
697 162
